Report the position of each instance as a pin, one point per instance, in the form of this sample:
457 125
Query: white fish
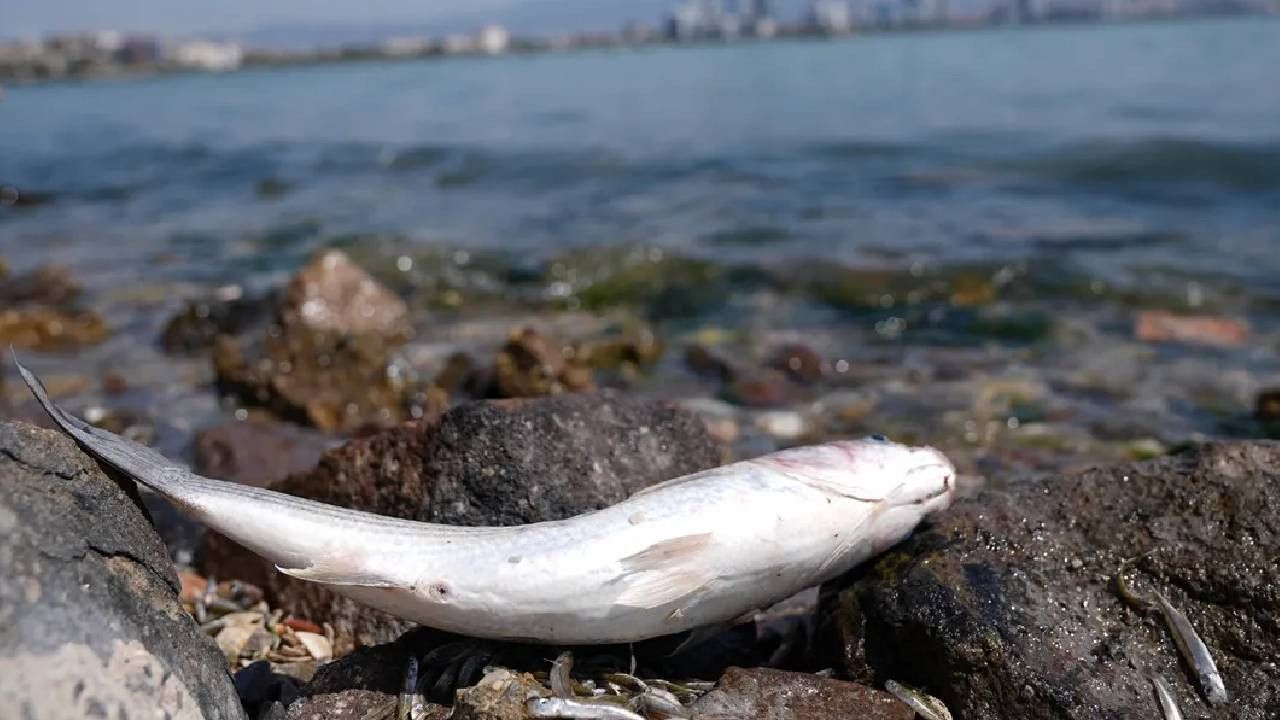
688 553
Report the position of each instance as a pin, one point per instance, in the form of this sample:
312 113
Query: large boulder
503 462
90 622
1008 607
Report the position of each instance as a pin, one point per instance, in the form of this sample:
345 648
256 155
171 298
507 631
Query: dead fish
561 680
685 554
1194 651
658 704
1168 706
925 705
580 708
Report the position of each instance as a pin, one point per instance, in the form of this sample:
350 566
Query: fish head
880 470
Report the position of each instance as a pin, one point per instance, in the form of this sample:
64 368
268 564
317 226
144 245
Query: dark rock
259 688
708 363
89 602
532 365
456 373
332 294
272 188
195 327
800 362
49 285
1006 607
780 695
487 463
256 452
1267 406
372 677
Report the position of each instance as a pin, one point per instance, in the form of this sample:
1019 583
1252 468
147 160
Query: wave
1162 161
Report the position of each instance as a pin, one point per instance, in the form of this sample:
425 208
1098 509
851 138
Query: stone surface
199 322
800 362
780 695
256 452
50 330
90 622
500 462
331 294
530 364
1006 607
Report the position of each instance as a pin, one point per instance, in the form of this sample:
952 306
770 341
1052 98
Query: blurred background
1038 234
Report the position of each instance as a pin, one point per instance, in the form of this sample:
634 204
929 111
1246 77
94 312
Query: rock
259 688
708 363
800 362
49 330
1212 330
334 383
531 365
626 348
195 327
352 686
500 695
1006 607
780 695
332 294
486 463
256 452
89 602
1267 406
49 285
11 196
766 389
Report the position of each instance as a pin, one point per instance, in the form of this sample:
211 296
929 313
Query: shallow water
1140 160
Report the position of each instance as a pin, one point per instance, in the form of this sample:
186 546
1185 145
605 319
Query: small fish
561 681
409 697
658 704
925 705
578 708
1194 651
678 556
1164 696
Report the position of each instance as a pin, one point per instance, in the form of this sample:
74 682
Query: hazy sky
20 17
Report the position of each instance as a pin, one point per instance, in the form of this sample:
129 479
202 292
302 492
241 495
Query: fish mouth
948 472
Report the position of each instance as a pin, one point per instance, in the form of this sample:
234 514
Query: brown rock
332 294
256 452
48 285
800 362
486 463
531 365
1159 326
335 383
780 695
48 330
198 324
769 388
500 695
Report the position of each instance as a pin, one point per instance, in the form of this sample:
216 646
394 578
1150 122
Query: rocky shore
346 386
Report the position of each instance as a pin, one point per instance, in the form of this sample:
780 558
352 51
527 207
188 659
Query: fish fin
698 636
139 462
665 572
332 574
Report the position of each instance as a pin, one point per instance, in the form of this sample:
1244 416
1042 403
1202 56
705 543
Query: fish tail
140 463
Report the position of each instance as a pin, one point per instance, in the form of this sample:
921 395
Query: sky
20 18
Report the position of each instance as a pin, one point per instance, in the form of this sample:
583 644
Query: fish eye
879 438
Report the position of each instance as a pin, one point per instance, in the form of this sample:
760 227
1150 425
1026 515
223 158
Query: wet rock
486 463
456 374
49 285
1160 326
532 365
49 330
780 695
256 452
259 688
1267 406
332 294
661 284
89 601
500 695
113 383
800 362
765 389
1006 607
195 327
626 348
708 363
334 383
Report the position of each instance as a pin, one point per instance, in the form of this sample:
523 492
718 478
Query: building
208 55
830 17
492 40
